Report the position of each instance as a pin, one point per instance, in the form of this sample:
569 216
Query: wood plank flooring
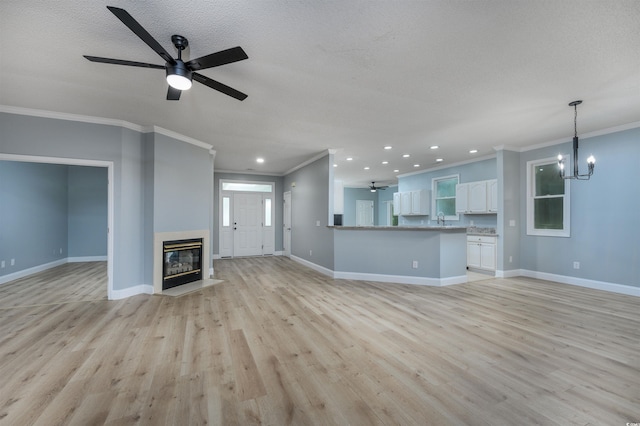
277 343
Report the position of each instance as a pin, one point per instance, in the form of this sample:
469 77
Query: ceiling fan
179 73
374 188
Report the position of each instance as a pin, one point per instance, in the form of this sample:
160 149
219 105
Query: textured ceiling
347 75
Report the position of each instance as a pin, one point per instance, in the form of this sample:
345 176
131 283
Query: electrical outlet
317 223
510 259
310 252
60 250
13 262
414 265
2 264
576 265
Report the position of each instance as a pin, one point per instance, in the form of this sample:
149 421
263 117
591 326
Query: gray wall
509 210
135 194
87 211
310 202
384 195
33 214
43 202
605 232
351 195
278 199
480 170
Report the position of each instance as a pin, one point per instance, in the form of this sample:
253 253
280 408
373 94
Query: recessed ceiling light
385 162
396 171
439 160
434 147
473 151
349 158
367 168
416 165
260 160
335 165
406 155
388 147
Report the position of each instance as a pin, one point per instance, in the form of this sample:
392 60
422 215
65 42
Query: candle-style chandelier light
591 161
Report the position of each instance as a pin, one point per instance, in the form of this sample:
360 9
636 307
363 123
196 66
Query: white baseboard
31 271
509 274
87 259
131 291
313 266
400 279
275 253
582 282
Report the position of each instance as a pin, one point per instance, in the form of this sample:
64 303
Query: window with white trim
444 196
547 199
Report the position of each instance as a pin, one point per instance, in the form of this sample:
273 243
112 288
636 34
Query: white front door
247 224
286 224
364 212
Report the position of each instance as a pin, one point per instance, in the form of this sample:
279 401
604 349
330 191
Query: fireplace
181 262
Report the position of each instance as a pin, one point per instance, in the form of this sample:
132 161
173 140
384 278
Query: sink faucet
440 217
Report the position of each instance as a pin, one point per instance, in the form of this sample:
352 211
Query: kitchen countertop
400 228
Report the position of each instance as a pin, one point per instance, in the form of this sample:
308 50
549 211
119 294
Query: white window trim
434 195
566 205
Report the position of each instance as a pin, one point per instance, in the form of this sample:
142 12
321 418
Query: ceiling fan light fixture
179 76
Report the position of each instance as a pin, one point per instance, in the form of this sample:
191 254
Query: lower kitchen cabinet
481 252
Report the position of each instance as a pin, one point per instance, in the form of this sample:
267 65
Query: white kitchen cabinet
420 202
397 203
479 197
462 197
481 252
405 203
412 203
492 196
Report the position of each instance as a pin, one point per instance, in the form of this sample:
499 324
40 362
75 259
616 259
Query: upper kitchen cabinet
412 203
477 197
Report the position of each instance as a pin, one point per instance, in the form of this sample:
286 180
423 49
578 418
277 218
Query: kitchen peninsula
433 255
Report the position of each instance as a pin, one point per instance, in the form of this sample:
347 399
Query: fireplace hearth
181 262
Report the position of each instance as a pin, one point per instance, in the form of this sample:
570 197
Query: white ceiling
347 75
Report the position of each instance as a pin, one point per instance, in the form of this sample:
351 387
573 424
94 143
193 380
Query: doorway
286 224
80 162
364 212
246 226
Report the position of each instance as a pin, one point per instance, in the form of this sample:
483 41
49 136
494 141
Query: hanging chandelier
591 161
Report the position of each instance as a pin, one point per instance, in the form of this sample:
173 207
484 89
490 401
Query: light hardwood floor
277 343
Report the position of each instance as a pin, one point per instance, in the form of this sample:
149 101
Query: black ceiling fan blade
219 86
223 57
123 62
138 30
173 94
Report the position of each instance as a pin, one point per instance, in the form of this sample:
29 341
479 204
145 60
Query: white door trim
91 163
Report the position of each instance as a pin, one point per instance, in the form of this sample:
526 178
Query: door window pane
267 212
247 187
226 211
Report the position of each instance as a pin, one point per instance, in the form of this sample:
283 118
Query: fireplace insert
181 262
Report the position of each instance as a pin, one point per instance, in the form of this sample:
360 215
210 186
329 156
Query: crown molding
601 132
103 121
70 117
446 166
177 136
309 161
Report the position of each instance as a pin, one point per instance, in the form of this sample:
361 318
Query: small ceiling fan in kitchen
179 73
374 188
